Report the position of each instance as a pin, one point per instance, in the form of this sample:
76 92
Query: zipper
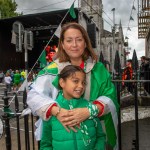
74 133
75 140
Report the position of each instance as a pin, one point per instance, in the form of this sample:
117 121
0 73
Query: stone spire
121 31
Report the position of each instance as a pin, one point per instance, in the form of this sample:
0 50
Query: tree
7 9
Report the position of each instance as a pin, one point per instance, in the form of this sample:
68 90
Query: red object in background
49 58
54 47
48 49
50 55
50 52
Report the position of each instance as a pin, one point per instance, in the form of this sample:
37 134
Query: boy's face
74 85
52 54
128 63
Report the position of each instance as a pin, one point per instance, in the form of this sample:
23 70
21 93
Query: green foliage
8 8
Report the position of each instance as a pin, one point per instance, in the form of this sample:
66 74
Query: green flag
72 11
42 59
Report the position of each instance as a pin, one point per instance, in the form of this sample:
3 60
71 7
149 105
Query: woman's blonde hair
61 54
7 74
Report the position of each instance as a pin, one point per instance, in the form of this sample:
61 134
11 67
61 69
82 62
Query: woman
75 48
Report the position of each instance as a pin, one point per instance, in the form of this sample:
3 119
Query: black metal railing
18 129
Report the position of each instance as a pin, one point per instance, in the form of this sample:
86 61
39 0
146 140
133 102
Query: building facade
144 23
107 43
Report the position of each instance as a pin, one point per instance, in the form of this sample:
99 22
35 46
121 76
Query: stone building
108 43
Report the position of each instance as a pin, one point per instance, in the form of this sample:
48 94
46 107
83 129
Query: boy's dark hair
129 60
69 71
52 50
143 57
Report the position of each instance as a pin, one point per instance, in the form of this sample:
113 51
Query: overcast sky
122 12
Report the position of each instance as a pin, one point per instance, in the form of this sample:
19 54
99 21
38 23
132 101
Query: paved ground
14 138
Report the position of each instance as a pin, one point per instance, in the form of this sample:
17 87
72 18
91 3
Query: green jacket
17 78
55 137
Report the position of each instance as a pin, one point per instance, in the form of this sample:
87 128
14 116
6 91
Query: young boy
72 82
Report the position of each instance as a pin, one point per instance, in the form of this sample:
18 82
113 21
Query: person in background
142 67
147 75
72 82
7 80
11 72
128 75
74 48
1 76
142 74
17 80
23 74
50 55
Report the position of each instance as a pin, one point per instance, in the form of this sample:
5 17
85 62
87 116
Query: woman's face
74 44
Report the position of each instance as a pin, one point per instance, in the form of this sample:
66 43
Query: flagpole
26 59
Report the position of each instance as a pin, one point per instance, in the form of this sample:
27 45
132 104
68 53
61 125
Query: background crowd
13 79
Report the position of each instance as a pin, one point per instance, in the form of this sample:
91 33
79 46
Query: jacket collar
70 103
89 65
